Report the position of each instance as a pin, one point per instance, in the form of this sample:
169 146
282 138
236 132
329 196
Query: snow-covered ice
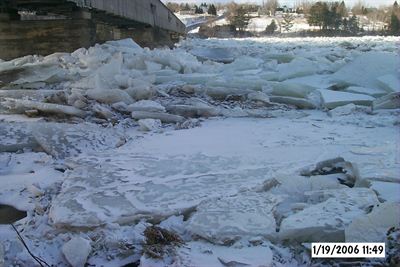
243 147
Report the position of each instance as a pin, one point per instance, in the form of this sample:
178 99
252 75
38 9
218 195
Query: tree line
201 9
335 16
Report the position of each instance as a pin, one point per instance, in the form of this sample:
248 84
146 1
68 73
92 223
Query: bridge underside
48 26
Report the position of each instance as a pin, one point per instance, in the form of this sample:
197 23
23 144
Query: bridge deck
152 12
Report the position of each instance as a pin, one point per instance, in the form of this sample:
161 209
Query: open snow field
247 149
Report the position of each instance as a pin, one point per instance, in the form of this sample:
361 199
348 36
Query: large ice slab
63 140
104 190
375 92
367 68
25 176
332 99
297 68
228 219
390 101
387 191
217 54
16 136
374 226
291 89
325 220
390 82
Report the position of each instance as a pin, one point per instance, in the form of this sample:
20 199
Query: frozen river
247 149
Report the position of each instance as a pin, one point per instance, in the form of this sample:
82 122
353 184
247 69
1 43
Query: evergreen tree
318 14
353 25
271 28
239 17
185 7
198 10
394 25
212 10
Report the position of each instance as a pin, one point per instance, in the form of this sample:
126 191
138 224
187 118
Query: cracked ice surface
164 174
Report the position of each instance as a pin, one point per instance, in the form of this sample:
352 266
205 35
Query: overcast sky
369 3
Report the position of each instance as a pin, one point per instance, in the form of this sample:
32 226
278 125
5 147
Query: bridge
48 26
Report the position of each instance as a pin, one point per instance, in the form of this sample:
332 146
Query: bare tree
358 8
271 6
303 6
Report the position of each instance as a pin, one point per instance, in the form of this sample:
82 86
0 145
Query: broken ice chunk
206 254
194 111
366 91
244 63
128 42
62 140
365 69
152 66
148 125
326 220
225 220
386 191
391 101
296 68
146 105
164 117
216 54
141 92
349 109
109 96
332 99
31 94
390 82
374 226
76 251
291 89
16 136
21 106
300 103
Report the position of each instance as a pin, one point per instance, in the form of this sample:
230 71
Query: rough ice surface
16 136
205 140
203 254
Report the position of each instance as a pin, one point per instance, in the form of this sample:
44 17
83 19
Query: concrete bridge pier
62 26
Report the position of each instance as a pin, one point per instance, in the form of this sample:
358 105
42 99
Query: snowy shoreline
247 149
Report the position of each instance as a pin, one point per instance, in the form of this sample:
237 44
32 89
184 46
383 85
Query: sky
369 3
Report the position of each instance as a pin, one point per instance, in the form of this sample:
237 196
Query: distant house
284 9
187 12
